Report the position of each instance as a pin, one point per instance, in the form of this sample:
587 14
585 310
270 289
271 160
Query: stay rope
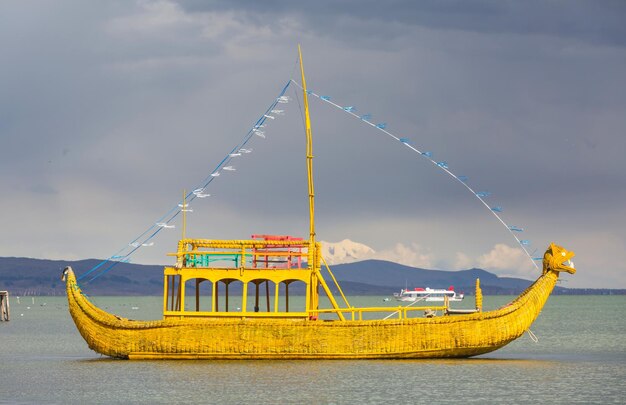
532 336
480 195
198 191
406 306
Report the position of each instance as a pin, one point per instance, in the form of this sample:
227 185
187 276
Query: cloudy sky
108 110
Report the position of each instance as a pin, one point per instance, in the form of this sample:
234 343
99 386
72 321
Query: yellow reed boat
204 324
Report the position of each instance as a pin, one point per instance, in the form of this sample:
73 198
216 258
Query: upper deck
270 261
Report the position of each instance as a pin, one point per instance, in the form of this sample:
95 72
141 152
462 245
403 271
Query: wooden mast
309 154
312 259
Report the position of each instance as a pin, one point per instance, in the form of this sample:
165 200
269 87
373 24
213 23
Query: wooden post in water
5 313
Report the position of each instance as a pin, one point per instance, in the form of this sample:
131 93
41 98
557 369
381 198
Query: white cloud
507 261
501 259
413 255
463 261
348 251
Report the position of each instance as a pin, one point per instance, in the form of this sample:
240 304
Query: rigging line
295 65
191 196
406 306
119 255
297 97
119 252
113 264
207 180
135 248
533 337
433 161
131 252
244 142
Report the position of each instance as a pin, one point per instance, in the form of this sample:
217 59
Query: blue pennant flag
464 179
382 125
483 194
427 154
325 98
516 228
496 209
349 109
405 140
443 165
524 242
366 117
309 92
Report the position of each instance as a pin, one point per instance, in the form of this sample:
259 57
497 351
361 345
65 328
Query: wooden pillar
256 299
179 290
308 296
244 298
197 295
227 285
286 296
172 284
217 296
276 291
213 296
166 290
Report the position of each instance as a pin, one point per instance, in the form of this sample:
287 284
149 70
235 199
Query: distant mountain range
24 276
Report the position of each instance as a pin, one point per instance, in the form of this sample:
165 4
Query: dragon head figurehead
558 259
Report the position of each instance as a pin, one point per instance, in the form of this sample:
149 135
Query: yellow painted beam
247 314
309 155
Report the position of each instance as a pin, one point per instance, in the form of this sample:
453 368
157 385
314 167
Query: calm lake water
580 358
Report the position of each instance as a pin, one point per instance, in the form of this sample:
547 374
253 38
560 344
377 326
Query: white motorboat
428 294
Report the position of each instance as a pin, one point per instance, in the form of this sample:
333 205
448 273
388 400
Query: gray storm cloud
107 111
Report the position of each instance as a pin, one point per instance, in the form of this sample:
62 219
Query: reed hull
195 338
